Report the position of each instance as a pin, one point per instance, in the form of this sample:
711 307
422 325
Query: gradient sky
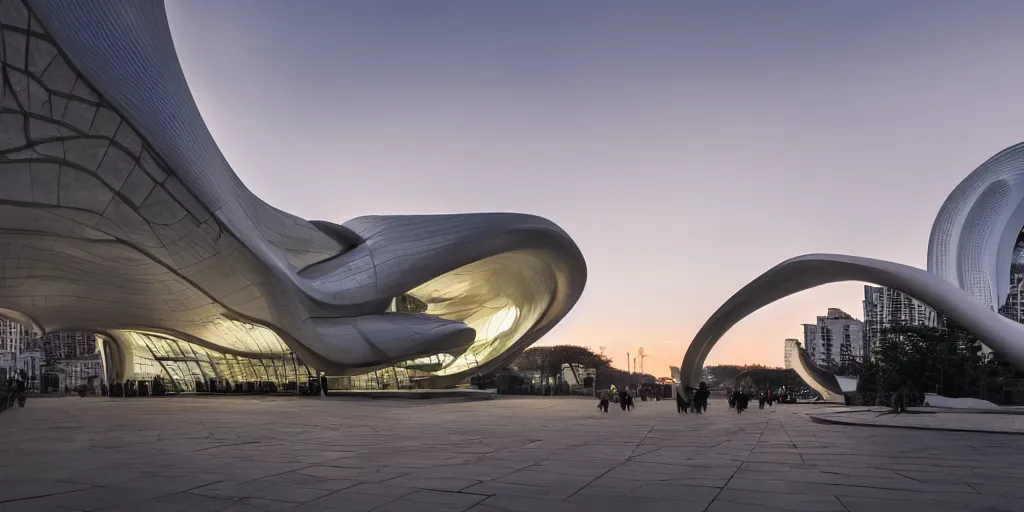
686 147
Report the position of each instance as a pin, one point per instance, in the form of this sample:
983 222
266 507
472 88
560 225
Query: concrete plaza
1005 420
510 454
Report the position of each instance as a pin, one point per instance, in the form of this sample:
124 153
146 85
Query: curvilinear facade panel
120 216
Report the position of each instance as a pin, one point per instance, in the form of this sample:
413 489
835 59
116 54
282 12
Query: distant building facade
55 361
1013 306
792 345
836 339
18 352
886 308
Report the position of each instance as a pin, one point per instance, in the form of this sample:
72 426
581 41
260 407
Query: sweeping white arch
969 251
804 272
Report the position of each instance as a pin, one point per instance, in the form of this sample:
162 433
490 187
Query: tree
851 367
922 359
549 361
764 377
724 374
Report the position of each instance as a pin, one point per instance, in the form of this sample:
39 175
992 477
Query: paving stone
175 503
545 479
506 503
432 501
632 504
855 504
347 501
675 492
36 487
259 489
72 501
258 505
511 454
778 501
142 490
521 490
381 489
107 477
297 479
432 483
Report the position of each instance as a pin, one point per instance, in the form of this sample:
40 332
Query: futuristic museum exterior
120 216
968 277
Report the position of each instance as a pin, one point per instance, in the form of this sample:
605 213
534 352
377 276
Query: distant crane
640 355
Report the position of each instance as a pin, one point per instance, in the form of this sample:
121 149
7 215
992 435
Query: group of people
624 396
691 399
13 390
739 399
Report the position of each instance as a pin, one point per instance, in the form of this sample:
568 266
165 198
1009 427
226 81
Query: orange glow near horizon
758 339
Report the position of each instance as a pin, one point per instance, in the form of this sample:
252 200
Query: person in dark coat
899 400
742 400
20 388
700 399
323 384
683 400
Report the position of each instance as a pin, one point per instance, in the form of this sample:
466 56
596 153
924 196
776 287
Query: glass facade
502 298
184 364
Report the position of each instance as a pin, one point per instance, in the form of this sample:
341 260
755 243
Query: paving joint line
968 484
785 431
733 475
48 495
841 504
628 459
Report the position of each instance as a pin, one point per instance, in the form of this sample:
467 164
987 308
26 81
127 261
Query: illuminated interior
183 363
501 297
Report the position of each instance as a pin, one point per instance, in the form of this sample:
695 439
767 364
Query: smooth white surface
973 235
945 402
847 384
817 379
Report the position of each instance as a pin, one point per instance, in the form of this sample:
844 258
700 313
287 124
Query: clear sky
686 146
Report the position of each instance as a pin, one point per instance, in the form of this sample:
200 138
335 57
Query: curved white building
119 215
968 277
818 379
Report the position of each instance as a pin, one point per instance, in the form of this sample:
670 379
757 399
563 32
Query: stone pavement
967 420
509 454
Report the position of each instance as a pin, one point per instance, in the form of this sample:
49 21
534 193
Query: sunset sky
686 147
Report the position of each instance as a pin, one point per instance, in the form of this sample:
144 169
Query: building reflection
57 362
